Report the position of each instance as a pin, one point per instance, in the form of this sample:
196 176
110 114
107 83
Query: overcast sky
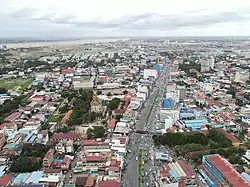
115 18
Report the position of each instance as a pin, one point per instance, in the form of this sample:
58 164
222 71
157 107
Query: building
231 137
64 147
49 158
65 166
57 137
241 76
196 124
96 105
109 183
168 103
219 172
12 117
207 63
150 73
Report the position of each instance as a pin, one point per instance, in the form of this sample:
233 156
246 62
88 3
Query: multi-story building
49 158
219 172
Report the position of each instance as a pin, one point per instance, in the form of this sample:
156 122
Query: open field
16 84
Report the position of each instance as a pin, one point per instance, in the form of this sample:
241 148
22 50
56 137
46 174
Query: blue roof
247 116
246 176
34 177
22 177
2 170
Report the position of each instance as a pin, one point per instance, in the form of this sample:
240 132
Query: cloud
22 13
147 19
171 21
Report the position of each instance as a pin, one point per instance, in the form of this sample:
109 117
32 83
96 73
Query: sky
123 18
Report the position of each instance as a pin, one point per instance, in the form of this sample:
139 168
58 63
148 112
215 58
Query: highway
147 118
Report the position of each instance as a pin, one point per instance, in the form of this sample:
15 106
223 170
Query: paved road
130 178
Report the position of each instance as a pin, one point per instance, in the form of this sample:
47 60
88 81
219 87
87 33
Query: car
136 158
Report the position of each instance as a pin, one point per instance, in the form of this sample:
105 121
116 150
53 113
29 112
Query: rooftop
229 173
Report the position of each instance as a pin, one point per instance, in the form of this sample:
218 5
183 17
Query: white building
170 114
241 76
207 63
147 73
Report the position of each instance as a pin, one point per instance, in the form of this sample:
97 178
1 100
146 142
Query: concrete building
217 170
207 63
241 76
49 158
150 73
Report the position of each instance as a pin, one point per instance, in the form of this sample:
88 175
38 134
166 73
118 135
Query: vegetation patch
17 84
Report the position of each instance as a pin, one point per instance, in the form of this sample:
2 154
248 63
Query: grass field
56 118
16 84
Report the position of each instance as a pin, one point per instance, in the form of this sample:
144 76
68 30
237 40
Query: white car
136 158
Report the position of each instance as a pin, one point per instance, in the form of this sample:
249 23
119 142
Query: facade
49 158
219 172
148 73
96 105
196 124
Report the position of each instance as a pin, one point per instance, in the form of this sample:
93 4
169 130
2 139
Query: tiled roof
229 173
5 180
13 116
67 116
66 136
93 158
111 183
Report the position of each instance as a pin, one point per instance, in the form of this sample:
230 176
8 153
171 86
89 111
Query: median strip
139 167
150 111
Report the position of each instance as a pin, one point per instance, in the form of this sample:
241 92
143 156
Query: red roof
5 180
112 124
229 136
164 173
60 136
67 116
114 168
119 111
229 173
7 124
90 182
89 142
122 140
189 172
49 153
111 183
93 158
66 160
13 116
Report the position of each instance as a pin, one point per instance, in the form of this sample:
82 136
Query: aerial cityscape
129 94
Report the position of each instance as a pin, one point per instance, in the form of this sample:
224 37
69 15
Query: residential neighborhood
125 113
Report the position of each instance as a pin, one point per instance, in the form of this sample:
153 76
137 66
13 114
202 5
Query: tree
104 123
125 92
114 103
99 92
25 164
90 133
76 146
63 109
96 132
3 91
232 91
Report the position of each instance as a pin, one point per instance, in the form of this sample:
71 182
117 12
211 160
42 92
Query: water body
28 44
